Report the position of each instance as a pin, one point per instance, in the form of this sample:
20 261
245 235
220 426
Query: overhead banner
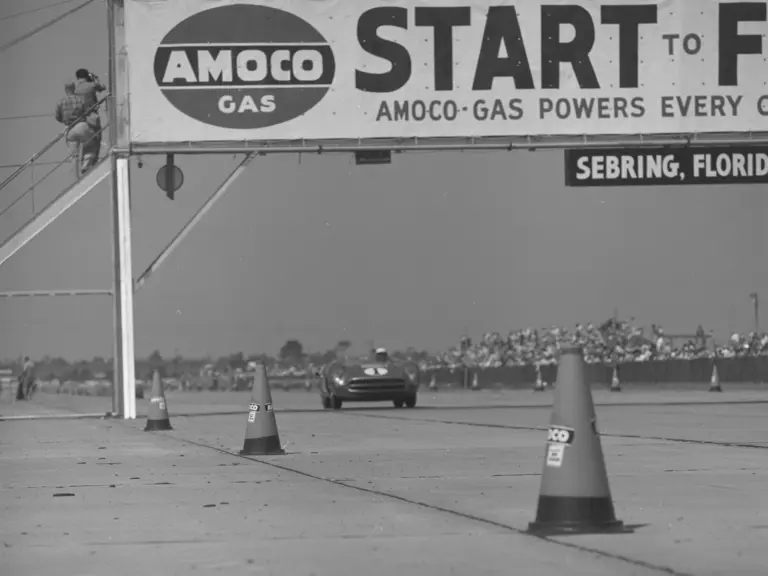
249 70
666 166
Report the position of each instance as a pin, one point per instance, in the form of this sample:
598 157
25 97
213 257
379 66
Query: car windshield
363 359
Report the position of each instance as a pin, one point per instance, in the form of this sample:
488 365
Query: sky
318 249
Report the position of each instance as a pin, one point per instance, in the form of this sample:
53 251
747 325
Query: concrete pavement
443 489
191 403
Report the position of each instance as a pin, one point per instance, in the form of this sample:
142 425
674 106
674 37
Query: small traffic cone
574 496
261 436
615 384
157 414
540 385
475 382
432 383
714 383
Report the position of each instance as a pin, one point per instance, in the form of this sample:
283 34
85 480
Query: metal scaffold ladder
41 219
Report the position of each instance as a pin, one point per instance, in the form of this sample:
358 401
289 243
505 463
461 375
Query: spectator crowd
613 341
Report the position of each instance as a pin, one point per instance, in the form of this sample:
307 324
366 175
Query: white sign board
249 70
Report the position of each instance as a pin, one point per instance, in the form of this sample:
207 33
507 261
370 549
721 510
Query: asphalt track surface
446 488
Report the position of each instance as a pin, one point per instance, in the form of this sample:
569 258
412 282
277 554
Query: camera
89 76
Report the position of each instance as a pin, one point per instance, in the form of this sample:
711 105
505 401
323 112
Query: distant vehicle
375 379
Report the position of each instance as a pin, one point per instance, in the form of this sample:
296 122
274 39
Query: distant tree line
292 353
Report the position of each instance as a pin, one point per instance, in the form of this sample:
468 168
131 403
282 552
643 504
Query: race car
376 379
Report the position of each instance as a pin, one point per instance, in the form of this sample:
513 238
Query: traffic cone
714 383
540 385
261 436
475 382
157 414
574 496
432 383
615 384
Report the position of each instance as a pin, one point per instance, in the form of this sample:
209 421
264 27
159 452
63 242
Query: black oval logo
244 67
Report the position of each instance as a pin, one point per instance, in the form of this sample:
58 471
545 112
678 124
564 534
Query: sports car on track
377 379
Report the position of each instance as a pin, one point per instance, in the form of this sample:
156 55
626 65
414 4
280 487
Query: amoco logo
244 66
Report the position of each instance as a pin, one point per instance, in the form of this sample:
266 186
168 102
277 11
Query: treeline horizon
292 353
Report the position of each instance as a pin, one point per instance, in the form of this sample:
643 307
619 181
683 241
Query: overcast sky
318 249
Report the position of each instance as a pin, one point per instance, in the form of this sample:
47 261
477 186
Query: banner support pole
124 385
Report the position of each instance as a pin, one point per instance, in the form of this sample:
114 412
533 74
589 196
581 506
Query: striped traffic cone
261 436
157 414
615 384
714 383
574 496
540 385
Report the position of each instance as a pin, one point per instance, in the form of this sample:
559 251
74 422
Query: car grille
376 384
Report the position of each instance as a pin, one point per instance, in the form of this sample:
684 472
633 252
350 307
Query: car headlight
339 378
412 373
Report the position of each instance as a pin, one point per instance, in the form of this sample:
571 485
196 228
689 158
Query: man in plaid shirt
70 111
71 107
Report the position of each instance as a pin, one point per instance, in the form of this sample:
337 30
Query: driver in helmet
381 355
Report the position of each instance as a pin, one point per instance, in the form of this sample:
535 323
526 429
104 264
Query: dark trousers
24 390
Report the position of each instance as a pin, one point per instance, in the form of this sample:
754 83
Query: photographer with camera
88 87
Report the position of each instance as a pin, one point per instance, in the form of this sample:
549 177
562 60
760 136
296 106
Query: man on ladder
89 87
81 128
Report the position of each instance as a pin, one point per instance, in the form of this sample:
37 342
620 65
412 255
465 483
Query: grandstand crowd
613 341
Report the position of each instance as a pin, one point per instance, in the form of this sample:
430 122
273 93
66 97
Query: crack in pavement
755 445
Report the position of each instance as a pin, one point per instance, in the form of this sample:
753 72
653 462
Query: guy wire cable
42 27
